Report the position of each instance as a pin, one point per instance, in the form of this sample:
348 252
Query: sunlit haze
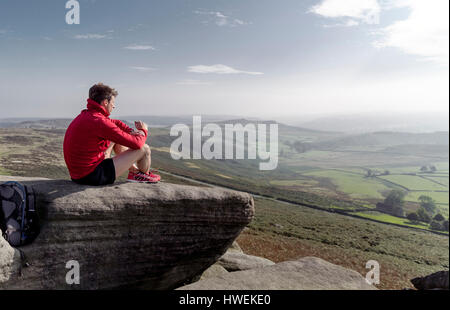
249 58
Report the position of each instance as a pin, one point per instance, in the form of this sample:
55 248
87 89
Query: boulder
234 260
235 247
9 260
213 271
153 236
308 273
437 280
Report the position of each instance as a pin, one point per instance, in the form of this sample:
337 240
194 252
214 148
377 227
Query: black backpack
19 219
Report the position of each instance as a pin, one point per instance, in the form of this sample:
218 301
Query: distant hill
389 139
152 121
62 123
363 123
436 150
282 126
165 121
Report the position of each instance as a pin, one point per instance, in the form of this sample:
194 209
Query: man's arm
111 131
122 125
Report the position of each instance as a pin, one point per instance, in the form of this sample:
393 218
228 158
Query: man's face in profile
111 104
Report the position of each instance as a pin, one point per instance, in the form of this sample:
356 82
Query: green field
414 183
386 218
442 168
439 197
289 183
442 179
356 185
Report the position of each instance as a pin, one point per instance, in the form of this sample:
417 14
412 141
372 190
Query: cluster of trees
299 147
371 173
427 214
428 169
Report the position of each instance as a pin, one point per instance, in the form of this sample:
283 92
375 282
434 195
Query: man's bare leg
119 149
124 160
144 163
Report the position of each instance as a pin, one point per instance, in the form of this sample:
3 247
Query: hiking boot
141 177
156 177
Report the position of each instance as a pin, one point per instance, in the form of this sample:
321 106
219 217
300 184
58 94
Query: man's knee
119 148
109 150
146 149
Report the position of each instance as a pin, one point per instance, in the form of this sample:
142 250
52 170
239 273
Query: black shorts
104 173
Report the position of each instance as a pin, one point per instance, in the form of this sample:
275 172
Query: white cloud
193 82
219 69
143 69
366 11
221 19
90 36
424 33
136 47
348 23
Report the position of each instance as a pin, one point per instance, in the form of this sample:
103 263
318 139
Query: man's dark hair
100 92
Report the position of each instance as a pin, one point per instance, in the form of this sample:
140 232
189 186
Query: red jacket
89 135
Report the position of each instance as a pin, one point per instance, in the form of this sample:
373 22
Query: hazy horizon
346 123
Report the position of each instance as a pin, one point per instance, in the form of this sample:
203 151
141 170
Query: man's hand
137 133
140 125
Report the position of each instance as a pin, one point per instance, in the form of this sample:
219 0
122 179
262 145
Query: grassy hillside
282 232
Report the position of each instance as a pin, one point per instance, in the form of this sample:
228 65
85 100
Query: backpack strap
23 195
23 261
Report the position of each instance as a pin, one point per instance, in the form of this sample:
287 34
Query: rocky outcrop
308 273
213 271
153 236
235 246
437 280
9 260
233 260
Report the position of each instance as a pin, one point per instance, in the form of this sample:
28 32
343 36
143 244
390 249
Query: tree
445 225
369 173
301 147
435 225
423 215
424 169
395 198
433 169
427 203
387 172
438 217
393 204
413 217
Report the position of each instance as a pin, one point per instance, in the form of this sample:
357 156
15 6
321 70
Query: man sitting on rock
92 136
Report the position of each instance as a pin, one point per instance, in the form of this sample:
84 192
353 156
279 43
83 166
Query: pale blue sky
259 58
